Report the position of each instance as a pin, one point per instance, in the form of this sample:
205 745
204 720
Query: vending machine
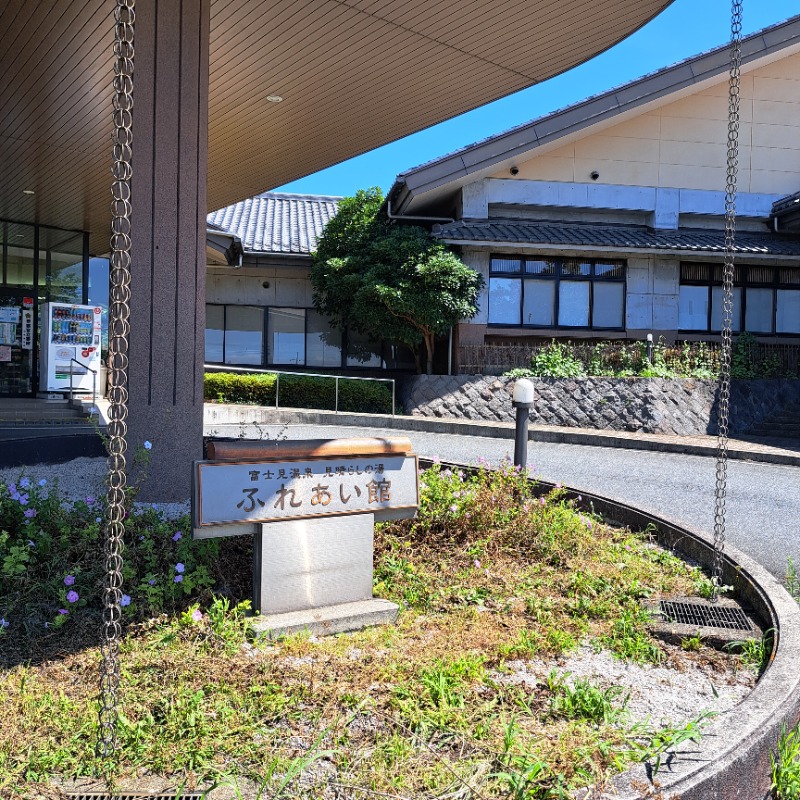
70 344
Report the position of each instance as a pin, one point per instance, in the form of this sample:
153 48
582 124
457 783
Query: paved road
763 507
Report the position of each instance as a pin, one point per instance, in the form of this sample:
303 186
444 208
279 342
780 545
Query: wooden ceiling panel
354 74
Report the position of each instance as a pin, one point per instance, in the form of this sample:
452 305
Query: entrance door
17 343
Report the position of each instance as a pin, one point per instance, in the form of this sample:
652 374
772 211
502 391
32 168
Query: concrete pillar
170 133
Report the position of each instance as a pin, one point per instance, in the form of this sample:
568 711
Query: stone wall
648 405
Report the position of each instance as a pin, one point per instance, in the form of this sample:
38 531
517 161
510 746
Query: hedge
299 391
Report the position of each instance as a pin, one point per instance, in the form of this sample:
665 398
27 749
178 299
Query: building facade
606 219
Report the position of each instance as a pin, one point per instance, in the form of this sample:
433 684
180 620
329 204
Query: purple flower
178 578
30 513
63 611
22 498
453 508
542 501
43 482
98 519
12 488
69 580
72 596
197 615
148 445
178 535
179 567
4 623
436 460
25 483
476 563
125 600
152 582
90 501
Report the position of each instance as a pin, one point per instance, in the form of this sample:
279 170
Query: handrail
278 373
94 407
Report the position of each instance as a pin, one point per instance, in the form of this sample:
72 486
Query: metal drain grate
705 615
137 796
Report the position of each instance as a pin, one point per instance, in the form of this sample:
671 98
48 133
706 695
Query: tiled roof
619 237
788 203
283 224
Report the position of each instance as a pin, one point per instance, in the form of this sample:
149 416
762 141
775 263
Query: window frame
556 277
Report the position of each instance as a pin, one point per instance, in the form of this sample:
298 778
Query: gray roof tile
619 237
274 223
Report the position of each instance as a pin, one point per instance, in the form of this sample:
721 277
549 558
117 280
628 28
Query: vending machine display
70 345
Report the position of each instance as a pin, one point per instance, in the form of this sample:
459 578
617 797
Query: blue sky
686 28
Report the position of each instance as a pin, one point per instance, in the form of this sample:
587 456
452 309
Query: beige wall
287 287
682 144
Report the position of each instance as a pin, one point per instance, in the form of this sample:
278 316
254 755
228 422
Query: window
766 300
292 337
286 328
539 292
323 343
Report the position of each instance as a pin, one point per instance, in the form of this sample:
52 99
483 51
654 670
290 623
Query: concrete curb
218 416
732 760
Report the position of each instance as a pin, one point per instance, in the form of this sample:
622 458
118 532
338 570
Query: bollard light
522 400
650 347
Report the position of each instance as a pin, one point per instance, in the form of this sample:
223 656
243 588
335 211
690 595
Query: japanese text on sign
263 492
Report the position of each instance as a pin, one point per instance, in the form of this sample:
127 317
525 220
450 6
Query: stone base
327 620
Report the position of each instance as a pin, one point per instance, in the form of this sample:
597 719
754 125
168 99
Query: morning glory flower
90 501
30 513
125 600
178 578
43 482
197 615
72 596
152 582
63 611
22 499
4 623
69 580
148 445
178 535
25 483
179 567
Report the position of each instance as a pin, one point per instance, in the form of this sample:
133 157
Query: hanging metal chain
118 331
723 412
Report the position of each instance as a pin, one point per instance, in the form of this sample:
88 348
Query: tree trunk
429 353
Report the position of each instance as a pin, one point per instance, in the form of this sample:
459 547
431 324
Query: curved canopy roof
353 74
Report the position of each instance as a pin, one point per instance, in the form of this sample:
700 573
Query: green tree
390 281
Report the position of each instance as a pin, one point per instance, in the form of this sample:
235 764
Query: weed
792 581
786 765
584 701
754 653
692 643
628 637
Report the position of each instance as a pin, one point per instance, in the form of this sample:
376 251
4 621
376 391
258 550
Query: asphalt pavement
762 503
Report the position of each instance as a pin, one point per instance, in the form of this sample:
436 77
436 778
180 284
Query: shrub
299 391
52 569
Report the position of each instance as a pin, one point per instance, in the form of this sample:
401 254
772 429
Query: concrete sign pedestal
311 507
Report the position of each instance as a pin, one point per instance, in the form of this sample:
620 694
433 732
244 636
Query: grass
488 574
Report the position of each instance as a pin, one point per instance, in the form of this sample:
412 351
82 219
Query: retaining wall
647 405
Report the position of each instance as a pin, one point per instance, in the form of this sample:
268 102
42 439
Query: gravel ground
81 478
666 695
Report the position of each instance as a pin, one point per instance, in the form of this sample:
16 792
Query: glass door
17 343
